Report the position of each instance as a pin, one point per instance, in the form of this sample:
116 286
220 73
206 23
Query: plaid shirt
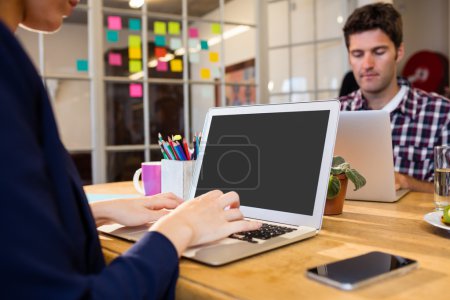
420 122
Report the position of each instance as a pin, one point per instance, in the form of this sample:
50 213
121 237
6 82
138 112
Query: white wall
425 26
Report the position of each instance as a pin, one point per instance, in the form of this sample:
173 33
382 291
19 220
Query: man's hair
375 16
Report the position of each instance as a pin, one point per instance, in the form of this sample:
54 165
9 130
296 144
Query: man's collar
405 106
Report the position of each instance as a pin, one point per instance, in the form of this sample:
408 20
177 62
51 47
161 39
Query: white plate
434 218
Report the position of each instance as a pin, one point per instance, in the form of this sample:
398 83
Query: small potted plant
340 173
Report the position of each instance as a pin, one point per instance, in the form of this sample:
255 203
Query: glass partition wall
119 72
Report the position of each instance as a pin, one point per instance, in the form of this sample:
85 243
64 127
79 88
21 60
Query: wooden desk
280 274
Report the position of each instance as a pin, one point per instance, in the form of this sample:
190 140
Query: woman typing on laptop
51 249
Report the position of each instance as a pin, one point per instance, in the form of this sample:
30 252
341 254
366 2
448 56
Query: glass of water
441 177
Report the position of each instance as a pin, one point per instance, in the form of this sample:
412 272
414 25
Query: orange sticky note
160 52
176 65
213 56
134 53
205 73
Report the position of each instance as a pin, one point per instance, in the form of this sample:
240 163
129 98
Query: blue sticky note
204 45
160 40
112 36
134 24
99 197
82 65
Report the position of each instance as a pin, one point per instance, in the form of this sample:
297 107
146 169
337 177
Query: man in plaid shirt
419 120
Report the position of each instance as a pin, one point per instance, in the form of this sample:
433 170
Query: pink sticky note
115 59
114 23
135 90
161 66
193 32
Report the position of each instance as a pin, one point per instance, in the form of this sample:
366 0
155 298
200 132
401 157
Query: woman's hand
134 211
207 218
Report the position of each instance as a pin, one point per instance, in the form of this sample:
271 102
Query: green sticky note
134 24
112 36
159 28
134 41
174 28
135 66
204 45
215 28
82 65
160 40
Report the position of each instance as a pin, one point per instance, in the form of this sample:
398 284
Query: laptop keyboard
267 231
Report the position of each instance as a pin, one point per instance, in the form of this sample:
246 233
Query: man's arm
403 181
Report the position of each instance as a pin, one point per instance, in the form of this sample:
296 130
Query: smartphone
358 271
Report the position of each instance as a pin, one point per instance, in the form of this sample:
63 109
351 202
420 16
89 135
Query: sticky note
112 36
215 28
82 65
160 52
175 43
193 43
159 28
134 53
205 73
194 57
204 45
176 65
160 40
135 66
114 23
135 90
115 59
134 24
174 28
213 56
134 41
161 66
193 32
216 72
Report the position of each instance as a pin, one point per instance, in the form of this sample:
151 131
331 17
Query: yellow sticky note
176 65
135 66
174 28
134 53
159 28
213 56
205 73
134 41
215 28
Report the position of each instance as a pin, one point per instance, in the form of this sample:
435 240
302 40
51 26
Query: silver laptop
278 159
364 140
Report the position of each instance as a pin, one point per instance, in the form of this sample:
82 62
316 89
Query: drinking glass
441 177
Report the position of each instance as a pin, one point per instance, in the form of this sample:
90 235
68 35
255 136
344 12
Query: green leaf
334 186
337 160
358 180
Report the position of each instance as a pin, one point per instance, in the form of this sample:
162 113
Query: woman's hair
375 16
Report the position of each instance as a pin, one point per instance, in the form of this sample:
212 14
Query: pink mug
151 178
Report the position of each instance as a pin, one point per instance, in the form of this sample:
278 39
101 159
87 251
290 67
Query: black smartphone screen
349 272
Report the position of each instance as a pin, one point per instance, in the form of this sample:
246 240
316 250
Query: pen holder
176 177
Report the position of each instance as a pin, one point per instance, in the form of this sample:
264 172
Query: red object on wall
427 70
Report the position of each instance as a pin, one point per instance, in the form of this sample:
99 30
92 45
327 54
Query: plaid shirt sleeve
420 122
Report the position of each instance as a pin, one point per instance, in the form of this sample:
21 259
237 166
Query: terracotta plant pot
334 206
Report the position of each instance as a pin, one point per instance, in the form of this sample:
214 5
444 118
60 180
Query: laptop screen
272 160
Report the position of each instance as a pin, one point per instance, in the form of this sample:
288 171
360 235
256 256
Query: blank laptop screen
272 160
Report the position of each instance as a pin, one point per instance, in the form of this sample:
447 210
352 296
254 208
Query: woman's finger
159 203
230 199
233 214
243 225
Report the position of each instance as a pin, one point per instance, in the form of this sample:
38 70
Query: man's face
373 58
